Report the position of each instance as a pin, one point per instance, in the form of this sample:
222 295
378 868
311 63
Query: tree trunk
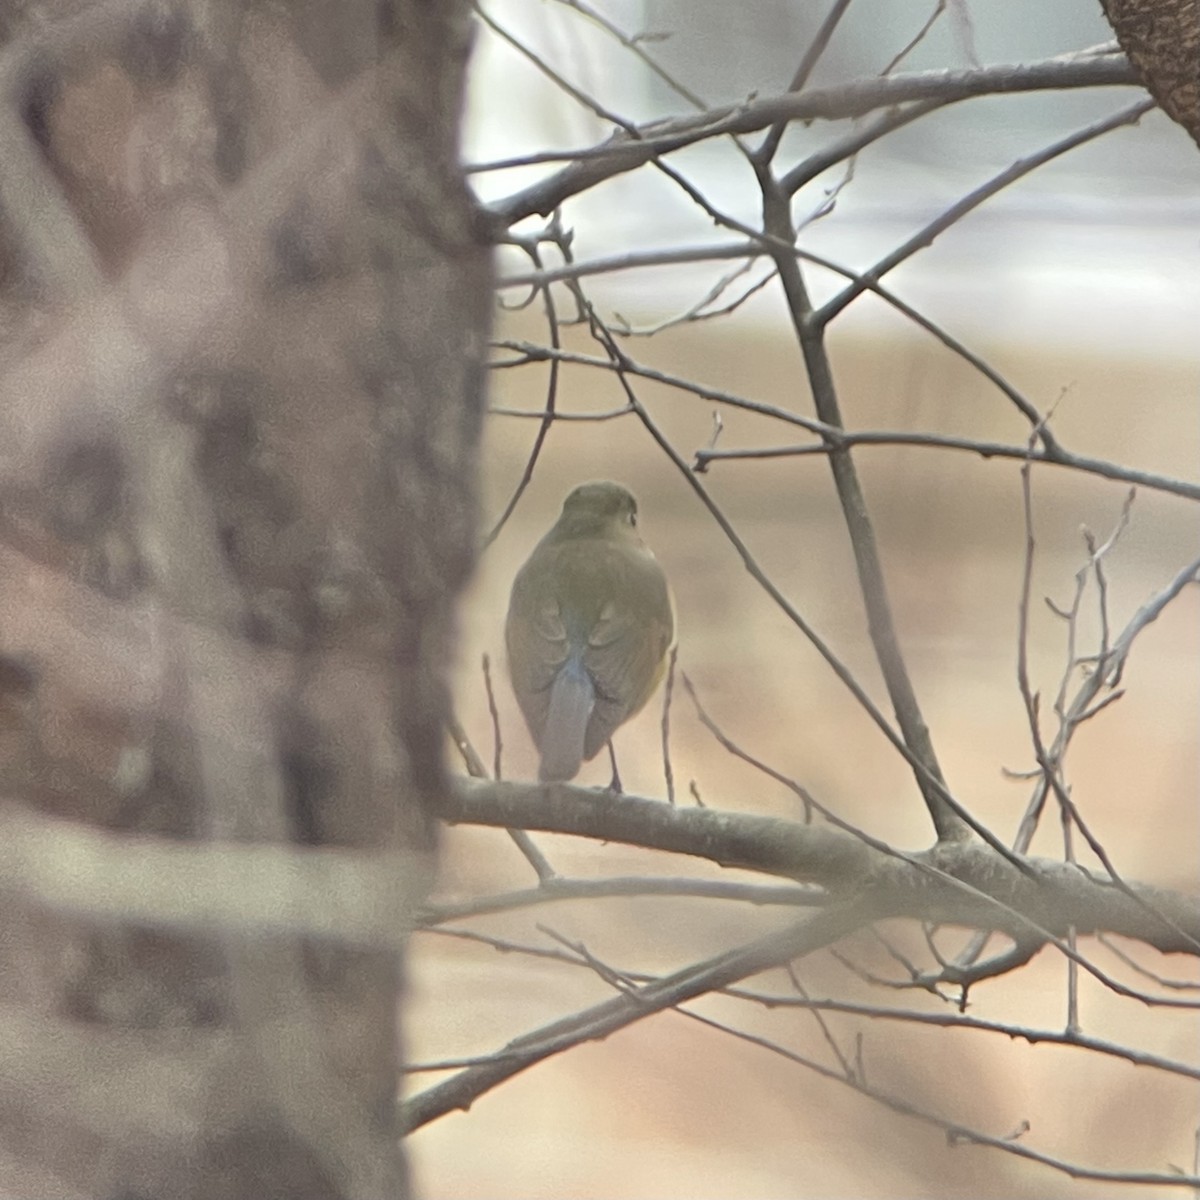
1162 40
242 313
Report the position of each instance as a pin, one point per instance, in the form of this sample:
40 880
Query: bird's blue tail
572 697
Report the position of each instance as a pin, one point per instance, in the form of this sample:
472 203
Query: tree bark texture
1162 40
243 308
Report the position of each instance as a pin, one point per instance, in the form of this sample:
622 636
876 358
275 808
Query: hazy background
1080 286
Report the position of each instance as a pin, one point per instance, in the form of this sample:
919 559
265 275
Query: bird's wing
627 644
536 639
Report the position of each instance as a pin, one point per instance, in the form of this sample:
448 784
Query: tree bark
1162 40
243 305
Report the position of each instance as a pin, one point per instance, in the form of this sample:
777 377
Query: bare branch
623 152
880 437
955 213
557 888
554 233
635 47
955 1132
603 1019
767 150
964 884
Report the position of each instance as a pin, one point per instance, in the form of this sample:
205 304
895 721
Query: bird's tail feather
572 698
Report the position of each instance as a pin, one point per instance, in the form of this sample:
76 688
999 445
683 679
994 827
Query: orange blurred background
668 1108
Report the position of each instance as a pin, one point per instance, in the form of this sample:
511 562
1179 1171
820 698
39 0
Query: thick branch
624 152
965 884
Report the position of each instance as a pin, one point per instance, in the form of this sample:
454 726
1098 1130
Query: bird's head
595 508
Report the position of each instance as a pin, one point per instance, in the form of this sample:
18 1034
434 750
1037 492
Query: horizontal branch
1066 1038
557 888
1071 1039
1052 451
636 260
966 885
625 152
1057 457
956 1134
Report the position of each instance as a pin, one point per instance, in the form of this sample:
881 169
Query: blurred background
1080 284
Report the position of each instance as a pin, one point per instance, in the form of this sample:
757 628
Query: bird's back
596 605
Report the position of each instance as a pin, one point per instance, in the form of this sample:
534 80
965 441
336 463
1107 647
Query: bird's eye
633 516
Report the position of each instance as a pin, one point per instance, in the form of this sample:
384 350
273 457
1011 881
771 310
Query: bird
591 622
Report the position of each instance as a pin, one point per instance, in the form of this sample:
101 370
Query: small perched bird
590 622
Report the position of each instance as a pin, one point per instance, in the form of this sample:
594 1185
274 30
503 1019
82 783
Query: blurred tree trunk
243 304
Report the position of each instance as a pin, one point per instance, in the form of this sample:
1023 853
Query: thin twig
847 1069
668 693
485 665
634 46
955 213
554 233
557 888
769 146
605 1018
954 1131
1058 458
938 9
536 859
